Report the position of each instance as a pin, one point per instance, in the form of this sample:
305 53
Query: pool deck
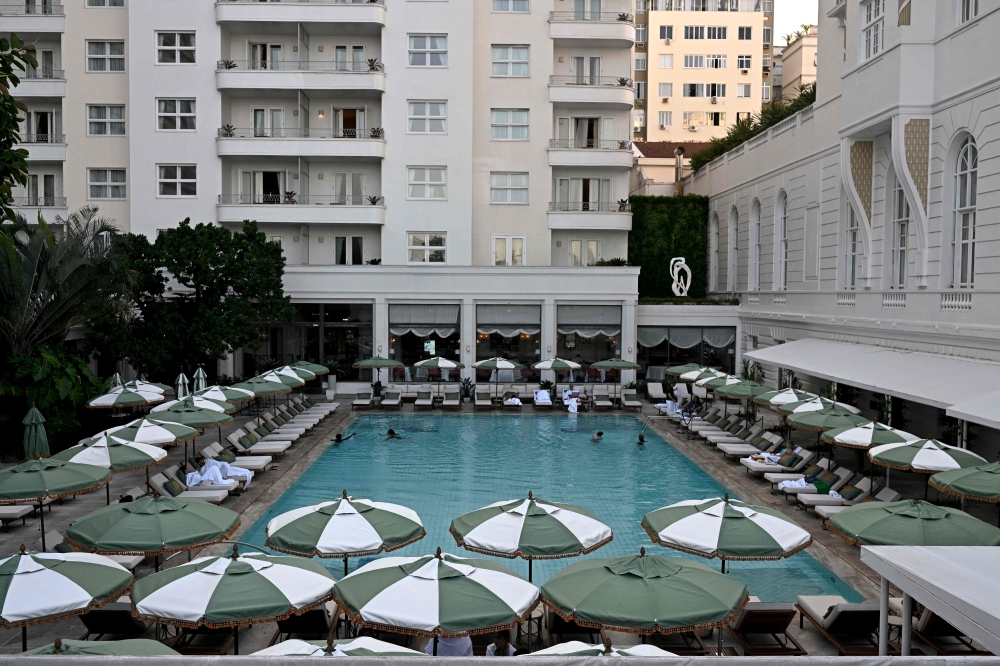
831 551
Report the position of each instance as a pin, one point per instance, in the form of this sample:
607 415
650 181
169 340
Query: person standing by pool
460 646
500 647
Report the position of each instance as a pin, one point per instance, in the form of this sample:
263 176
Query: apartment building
798 62
860 234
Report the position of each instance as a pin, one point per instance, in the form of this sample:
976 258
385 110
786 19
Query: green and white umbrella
440 363
364 646
532 529
117 380
780 397
45 587
678 370
865 436
343 528
719 382
615 364
148 387
924 455
644 594
110 452
181 388
229 394
152 526
580 649
150 431
824 419
497 363
377 363
200 379
129 647
817 404
436 595
36 442
187 412
911 523
290 380
742 390
296 371
260 386
701 373
123 397
197 402
556 364
314 368
727 529
232 591
981 483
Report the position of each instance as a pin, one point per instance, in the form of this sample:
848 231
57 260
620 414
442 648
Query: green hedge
664 228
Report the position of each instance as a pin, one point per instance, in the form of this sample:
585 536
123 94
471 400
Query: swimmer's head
642 438
391 432
600 433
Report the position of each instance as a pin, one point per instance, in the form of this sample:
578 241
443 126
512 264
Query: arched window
781 229
852 247
900 236
713 269
734 245
755 241
964 234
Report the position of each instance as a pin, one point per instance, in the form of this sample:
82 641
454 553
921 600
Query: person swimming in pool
391 434
339 437
642 439
597 436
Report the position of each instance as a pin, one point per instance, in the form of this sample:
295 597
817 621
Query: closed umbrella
980 483
129 647
580 649
727 529
117 455
780 397
200 379
150 431
38 480
122 397
532 529
116 380
343 528
36 442
228 394
911 523
644 594
45 587
233 591
436 595
364 646
152 526
314 368
181 388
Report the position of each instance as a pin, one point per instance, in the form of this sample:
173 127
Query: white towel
834 494
513 401
670 406
572 404
541 395
217 472
798 483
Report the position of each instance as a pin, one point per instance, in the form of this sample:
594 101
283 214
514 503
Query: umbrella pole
529 573
24 638
107 488
345 565
435 645
41 518
236 640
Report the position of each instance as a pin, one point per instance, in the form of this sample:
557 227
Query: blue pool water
447 465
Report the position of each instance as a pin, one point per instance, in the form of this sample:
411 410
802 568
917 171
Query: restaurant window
660 347
510 331
587 334
420 331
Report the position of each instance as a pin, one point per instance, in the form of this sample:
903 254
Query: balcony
45 147
32 16
48 207
301 11
608 154
610 92
320 209
585 28
591 215
297 142
37 83
329 75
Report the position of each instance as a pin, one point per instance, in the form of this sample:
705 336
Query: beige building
799 60
654 171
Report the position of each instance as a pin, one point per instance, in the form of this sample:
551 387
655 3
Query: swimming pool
449 464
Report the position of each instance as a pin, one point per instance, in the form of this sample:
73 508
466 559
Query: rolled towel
797 483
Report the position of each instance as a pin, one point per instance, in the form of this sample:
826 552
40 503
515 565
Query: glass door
259 122
277 122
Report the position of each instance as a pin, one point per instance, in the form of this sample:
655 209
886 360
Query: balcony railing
590 207
349 66
309 200
592 144
43 138
299 133
318 2
33 73
591 16
39 202
32 9
579 80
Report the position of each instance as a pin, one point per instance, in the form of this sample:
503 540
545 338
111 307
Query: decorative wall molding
861 173
917 146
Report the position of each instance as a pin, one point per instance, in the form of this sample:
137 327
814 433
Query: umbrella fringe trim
242 622
114 596
356 618
846 446
340 556
908 468
729 558
33 500
149 553
657 629
513 556
977 498
854 541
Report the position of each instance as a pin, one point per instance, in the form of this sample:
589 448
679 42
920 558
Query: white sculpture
682 282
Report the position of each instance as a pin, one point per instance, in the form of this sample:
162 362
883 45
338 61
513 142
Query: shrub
664 228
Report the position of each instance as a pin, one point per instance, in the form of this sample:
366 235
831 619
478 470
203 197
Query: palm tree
52 279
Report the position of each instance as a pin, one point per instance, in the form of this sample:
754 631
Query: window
641 6
900 236
508 188
175 48
275 239
424 248
105 56
105 3
743 116
666 118
717 32
694 61
427 182
743 90
767 34
666 61
509 124
508 250
694 32
106 120
428 51
766 6
755 239
694 118
667 32
964 234
519 6
428 118
348 250
781 224
853 247
640 64
715 61
640 119
106 183
177 180
640 32
873 27
745 33
175 114
666 90
765 60
583 252
715 90
743 62
694 89
716 118
510 61
765 91
640 90
968 10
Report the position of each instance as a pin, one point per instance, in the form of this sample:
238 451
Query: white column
548 330
628 335
380 328
883 620
468 350
907 624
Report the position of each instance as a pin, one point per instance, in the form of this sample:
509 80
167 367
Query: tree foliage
664 228
13 160
199 292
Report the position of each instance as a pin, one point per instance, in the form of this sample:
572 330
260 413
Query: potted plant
227 64
624 82
374 262
625 17
374 199
467 385
374 65
623 206
228 131
337 369
289 197
377 133
623 145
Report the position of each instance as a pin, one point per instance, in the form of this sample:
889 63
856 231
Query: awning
929 379
984 410
958 584
589 320
423 319
509 320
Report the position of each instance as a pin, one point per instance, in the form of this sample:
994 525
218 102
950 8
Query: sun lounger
280 426
944 638
393 399
282 419
315 407
295 417
655 393
512 400
542 398
758 621
740 450
852 628
174 472
687 644
761 468
884 495
11 513
704 429
111 622
630 400
848 495
834 480
313 625
774 478
267 432
204 641
452 400
159 481
364 399
424 399
745 433
250 444
482 399
252 463
602 399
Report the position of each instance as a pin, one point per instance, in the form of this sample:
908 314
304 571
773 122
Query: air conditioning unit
639 102
667 41
640 45
767 69
693 128
715 100
767 46
663 127
666 100
744 71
